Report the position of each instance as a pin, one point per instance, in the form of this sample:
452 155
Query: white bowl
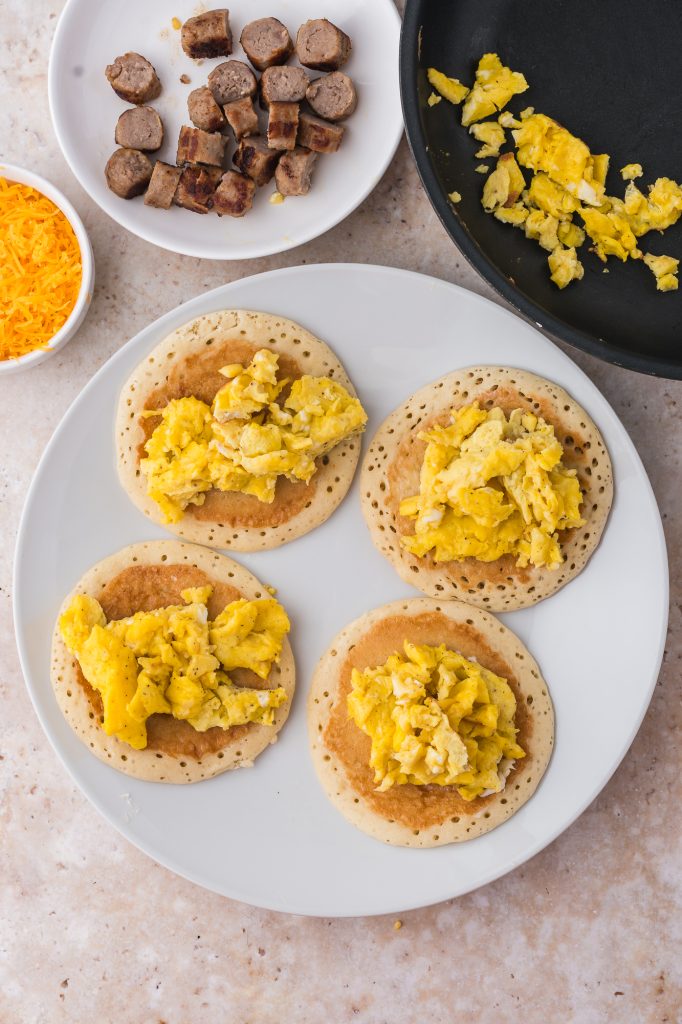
65 333
85 109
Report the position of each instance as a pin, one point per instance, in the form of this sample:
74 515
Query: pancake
410 815
391 470
187 363
143 577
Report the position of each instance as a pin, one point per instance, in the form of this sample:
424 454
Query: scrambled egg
494 86
492 486
544 145
631 171
504 186
436 718
492 137
568 180
449 88
565 266
249 438
664 268
173 661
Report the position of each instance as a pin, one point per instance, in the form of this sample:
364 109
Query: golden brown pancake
143 577
186 364
410 815
392 465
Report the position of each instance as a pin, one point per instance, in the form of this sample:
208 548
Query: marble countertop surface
92 930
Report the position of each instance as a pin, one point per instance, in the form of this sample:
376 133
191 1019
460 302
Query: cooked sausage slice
234 195
318 135
128 172
294 172
208 35
198 147
139 128
231 81
204 112
162 185
196 187
254 157
321 45
282 125
283 85
332 96
133 78
242 117
266 42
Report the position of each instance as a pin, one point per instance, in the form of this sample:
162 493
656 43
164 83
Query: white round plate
85 109
268 835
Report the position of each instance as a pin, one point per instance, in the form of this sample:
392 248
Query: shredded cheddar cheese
40 269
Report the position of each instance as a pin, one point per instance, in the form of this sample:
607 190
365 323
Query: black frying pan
611 72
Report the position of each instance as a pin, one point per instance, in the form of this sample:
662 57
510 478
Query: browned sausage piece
255 158
242 117
208 35
322 46
231 81
133 78
294 172
162 186
204 112
266 42
196 187
198 147
318 135
332 96
283 85
128 172
282 125
234 195
139 128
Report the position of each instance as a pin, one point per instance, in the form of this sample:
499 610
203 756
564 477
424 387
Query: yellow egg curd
664 269
492 90
435 718
450 89
249 438
174 661
493 486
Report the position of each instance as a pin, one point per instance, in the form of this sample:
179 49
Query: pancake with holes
171 663
430 722
491 485
239 431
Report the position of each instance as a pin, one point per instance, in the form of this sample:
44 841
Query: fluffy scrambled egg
173 661
436 718
565 266
449 88
249 438
664 269
544 145
492 90
568 179
492 137
631 171
493 486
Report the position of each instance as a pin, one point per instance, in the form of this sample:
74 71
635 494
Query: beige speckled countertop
91 930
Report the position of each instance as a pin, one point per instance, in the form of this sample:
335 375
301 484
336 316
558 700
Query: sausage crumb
185 79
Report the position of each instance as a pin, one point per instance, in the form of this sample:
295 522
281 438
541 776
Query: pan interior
611 73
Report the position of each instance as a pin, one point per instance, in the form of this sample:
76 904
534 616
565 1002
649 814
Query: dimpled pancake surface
143 577
391 470
187 363
420 816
